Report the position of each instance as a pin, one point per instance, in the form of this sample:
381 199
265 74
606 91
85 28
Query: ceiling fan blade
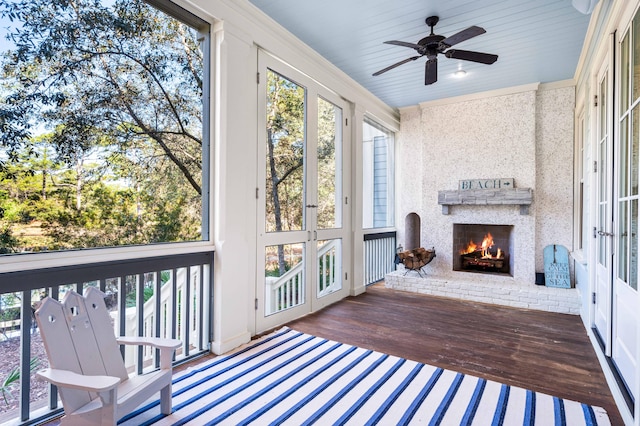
463 35
403 43
397 64
431 71
466 55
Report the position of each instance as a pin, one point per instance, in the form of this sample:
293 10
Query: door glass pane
636 58
623 177
603 108
284 277
623 239
329 266
624 74
635 149
602 173
633 247
329 165
285 162
602 242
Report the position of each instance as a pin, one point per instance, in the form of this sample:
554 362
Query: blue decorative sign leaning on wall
556 266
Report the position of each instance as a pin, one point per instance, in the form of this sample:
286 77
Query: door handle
605 234
311 206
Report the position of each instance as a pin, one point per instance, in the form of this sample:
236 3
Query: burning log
482 256
475 260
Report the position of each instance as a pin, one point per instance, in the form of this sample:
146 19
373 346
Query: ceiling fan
433 44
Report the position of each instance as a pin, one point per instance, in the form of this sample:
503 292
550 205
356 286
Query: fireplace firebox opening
483 248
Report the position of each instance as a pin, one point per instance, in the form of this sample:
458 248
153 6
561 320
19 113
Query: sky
5 24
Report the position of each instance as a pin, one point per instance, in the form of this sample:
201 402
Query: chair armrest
167 347
156 342
69 379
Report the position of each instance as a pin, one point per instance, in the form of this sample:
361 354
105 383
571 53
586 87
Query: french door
303 233
624 315
603 231
616 315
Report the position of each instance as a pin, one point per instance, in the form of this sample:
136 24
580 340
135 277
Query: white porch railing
328 269
187 327
288 291
379 255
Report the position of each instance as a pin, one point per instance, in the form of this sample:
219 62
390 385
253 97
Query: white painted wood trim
31 261
219 347
626 415
554 85
475 96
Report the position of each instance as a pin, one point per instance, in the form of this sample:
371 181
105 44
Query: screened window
104 136
378 179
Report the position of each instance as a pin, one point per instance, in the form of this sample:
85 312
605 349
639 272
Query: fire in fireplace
482 248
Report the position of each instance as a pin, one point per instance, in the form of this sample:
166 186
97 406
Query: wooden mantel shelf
491 197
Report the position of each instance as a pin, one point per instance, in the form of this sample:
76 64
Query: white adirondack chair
87 366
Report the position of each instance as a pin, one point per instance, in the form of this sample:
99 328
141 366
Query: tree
285 157
286 151
105 105
126 73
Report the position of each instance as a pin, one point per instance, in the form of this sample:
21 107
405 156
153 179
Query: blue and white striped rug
294 378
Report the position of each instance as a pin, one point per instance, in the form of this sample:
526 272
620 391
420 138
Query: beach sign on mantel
556 266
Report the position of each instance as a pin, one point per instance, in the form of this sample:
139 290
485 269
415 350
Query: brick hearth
566 301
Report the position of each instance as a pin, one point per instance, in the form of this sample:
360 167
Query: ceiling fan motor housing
431 44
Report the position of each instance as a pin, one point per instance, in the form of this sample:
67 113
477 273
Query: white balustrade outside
166 312
288 290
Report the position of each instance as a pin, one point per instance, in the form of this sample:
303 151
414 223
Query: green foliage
9 314
8 243
101 126
13 377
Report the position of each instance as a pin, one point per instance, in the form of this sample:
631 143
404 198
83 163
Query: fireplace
482 248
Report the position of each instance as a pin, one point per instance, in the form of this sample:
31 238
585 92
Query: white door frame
602 232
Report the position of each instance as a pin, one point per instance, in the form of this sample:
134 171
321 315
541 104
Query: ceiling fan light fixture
584 6
460 73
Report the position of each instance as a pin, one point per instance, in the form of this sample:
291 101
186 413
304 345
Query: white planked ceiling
536 41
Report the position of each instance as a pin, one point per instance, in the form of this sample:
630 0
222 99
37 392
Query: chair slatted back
59 346
78 336
104 334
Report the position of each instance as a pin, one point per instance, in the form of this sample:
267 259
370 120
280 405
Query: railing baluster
157 293
122 309
200 316
140 315
332 272
25 355
186 310
174 305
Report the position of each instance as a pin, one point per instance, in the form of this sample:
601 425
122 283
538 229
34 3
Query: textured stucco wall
554 170
525 135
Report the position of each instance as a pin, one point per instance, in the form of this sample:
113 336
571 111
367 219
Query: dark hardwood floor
544 352
541 351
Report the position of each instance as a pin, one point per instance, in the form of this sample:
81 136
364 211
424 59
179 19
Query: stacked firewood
416 258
